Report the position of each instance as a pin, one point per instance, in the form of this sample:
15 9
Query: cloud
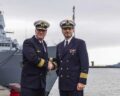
97 21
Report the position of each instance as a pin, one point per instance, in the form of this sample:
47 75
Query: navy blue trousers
71 93
32 92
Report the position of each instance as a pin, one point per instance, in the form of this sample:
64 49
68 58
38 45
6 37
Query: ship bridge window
4 44
1 27
1 44
7 44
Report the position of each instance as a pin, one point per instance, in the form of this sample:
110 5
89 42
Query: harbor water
101 82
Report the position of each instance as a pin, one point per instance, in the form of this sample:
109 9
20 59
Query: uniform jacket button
61 68
61 75
67 61
67 68
67 76
41 74
61 61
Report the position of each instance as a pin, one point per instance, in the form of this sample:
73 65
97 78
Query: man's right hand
80 86
50 65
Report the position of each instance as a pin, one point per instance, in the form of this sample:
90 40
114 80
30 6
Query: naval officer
35 62
72 62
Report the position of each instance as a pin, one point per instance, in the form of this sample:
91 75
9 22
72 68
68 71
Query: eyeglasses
67 28
41 30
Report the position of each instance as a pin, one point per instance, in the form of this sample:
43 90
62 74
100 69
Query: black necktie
66 43
43 47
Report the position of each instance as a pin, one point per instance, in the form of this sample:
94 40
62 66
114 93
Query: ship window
4 44
8 44
0 44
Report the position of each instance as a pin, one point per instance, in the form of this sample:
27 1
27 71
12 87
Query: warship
11 59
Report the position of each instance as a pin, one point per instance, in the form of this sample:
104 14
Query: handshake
52 64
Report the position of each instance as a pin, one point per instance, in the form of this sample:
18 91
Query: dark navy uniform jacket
34 76
72 63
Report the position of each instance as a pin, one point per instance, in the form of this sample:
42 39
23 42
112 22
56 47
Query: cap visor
41 28
67 26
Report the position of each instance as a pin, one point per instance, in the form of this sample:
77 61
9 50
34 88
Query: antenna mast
74 18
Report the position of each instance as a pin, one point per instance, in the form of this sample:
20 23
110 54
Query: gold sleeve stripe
83 75
41 63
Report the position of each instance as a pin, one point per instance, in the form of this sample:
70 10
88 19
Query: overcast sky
97 22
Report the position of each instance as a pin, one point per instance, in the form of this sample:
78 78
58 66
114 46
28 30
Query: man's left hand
80 86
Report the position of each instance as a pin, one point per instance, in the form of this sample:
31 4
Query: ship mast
73 17
2 26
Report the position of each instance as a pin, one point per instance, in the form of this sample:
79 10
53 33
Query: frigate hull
11 67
